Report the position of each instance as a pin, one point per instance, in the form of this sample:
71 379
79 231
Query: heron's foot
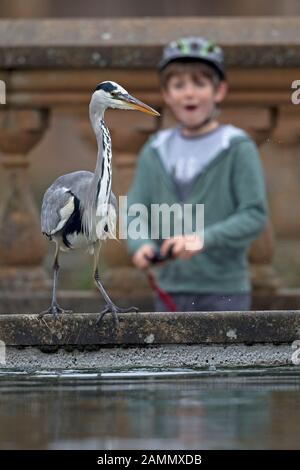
112 308
54 310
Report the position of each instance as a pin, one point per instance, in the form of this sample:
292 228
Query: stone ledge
136 43
145 329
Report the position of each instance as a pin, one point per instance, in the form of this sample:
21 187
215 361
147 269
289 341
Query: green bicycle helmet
195 48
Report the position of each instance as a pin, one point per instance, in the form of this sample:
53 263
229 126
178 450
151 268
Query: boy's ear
221 92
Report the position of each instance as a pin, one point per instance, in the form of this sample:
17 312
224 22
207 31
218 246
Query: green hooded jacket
232 189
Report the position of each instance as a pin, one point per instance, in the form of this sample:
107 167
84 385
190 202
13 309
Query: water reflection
190 411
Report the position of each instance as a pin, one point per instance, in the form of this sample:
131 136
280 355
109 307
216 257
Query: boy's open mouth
190 107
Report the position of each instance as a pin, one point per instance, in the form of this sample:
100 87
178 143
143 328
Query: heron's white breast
102 205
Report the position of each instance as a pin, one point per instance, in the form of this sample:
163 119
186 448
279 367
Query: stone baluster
22 247
282 165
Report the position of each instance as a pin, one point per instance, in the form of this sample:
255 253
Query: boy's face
192 99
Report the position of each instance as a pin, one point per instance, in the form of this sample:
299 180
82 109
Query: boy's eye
181 85
200 82
178 85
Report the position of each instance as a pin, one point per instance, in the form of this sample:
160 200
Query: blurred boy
201 161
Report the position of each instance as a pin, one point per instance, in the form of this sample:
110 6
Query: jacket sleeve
139 202
250 216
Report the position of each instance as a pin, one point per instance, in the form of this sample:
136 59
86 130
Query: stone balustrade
55 64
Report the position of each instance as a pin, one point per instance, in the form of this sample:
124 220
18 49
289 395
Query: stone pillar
281 160
22 247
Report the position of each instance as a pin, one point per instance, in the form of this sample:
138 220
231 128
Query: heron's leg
54 308
110 306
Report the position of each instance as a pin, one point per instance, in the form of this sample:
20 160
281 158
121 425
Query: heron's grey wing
57 208
62 199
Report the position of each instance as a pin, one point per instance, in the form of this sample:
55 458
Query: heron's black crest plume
106 86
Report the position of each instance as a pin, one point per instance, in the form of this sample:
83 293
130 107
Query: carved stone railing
51 64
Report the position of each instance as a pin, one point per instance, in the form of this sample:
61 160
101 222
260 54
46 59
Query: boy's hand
184 246
141 259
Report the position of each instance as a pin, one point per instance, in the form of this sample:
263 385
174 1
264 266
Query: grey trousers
207 302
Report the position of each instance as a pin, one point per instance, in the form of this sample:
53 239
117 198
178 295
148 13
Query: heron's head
112 95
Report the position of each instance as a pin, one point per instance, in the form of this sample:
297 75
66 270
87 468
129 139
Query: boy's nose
189 90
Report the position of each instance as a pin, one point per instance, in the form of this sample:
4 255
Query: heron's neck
97 118
101 182
98 192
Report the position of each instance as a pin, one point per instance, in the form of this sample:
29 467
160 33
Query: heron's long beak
134 103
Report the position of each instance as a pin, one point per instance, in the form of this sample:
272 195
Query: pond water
151 409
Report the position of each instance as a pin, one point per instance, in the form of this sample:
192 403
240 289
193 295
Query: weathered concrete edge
144 329
164 357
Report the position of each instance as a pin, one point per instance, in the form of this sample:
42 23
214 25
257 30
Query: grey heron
79 208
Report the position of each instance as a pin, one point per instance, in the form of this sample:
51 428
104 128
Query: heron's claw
54 310
112 308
